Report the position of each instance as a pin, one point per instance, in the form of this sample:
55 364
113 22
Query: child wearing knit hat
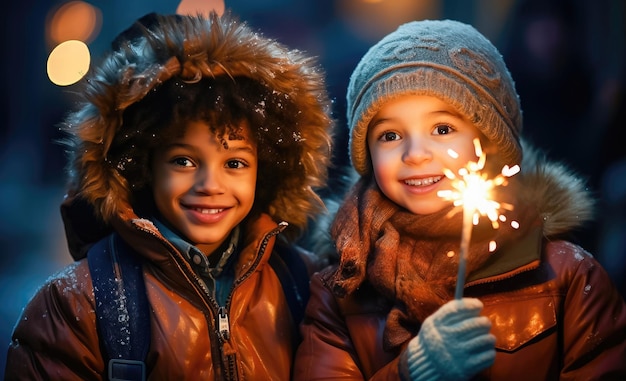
536 306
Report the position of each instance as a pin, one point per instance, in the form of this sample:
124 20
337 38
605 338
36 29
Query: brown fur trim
190 48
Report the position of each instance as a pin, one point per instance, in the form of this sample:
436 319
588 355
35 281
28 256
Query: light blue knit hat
442 58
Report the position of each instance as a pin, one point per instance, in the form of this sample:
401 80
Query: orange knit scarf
403 255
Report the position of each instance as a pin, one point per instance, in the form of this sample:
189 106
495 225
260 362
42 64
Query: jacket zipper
212 305
223 322
223 326
220 313
245 276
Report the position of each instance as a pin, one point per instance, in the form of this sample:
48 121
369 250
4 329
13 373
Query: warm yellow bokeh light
203 7
68 62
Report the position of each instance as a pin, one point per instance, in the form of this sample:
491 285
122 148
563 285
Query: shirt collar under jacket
197 258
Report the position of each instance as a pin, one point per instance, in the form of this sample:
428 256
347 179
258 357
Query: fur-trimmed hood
157 48
560 196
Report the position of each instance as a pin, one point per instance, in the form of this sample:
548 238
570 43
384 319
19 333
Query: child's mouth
423 182
208 211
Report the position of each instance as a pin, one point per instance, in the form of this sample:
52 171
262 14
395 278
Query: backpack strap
287 261
122 307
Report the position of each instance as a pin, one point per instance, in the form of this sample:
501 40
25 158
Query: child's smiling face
202 188
408 141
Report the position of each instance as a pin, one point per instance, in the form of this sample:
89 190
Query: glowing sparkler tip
472 189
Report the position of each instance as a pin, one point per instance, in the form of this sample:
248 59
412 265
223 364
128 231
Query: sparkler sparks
471 193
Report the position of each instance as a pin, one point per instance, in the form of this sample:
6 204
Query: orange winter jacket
56 337
555 312
57 331
557 319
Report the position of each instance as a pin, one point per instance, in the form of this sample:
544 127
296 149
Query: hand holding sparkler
454 343
472 191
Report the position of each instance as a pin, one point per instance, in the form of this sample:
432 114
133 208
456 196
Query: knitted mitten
454 343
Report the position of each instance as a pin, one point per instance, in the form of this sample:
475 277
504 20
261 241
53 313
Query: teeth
423 182
208 211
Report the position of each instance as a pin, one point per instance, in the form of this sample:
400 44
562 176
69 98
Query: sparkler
472 192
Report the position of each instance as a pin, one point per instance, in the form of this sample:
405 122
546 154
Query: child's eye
182 161
236 164
443 129
389 136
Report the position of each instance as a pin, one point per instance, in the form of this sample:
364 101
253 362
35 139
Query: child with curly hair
197 150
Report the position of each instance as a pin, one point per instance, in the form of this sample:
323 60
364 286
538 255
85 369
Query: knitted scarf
406 257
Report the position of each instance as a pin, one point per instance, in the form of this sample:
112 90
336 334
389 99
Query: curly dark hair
222 103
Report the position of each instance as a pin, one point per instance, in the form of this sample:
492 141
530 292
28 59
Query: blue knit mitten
454 343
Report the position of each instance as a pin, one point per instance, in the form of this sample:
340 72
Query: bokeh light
372 19
204 7
70 27
75 20
68 62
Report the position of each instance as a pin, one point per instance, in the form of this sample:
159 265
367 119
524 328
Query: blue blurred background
567 57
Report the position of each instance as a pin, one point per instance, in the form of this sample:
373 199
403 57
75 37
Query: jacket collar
513 259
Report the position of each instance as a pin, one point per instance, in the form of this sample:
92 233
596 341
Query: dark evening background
568 59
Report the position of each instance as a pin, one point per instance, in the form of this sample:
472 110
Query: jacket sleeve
594 324
327 351
55 337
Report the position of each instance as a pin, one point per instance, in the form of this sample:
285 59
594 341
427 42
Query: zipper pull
222 323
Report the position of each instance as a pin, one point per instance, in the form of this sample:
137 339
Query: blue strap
286 261
121 307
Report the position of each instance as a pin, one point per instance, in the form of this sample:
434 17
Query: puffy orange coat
57 335
556 319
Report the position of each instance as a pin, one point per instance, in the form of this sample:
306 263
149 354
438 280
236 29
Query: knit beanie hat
442 58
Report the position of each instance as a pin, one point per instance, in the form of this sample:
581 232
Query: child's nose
416 151
209 181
